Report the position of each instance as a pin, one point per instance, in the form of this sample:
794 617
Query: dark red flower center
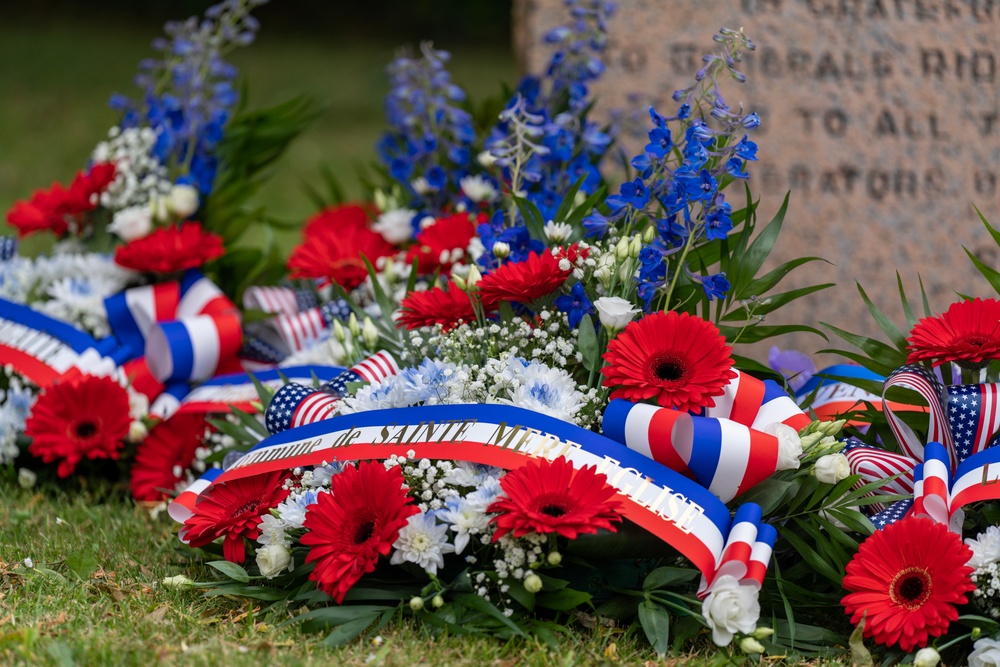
551 504
910 588
668 367
246 507
85 429
364 532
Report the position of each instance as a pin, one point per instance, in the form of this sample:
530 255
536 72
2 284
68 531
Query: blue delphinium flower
715 286
427 147
575 305
188 94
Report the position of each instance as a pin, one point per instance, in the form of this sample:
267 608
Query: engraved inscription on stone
881 116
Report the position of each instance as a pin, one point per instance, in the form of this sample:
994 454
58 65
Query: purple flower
796 367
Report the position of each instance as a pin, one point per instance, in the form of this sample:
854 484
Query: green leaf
563 600
758 250
885 324
583 210
769 494
330 617
760 286
265 593
82 563
473 601
655 622
516 590
662 577
589 347
532 218
567 201
349 631
911 319
877 350
231 570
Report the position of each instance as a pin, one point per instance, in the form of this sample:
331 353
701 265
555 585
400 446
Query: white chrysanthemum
395 226
464 473
486 494
551 391
272 531
478 188
382 396
985 548
558 232
465 520
422 542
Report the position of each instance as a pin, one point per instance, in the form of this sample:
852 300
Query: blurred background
62 60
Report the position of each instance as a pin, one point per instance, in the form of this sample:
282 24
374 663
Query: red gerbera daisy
171 249
84 418
968 333
354 524
333 249
163 456
524 281
908 577
680 359
233 510
54 209
436 244
553 497
449 308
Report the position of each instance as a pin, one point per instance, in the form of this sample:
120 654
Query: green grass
57 77
94 598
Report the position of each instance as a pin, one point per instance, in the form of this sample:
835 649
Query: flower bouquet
533 412
102 335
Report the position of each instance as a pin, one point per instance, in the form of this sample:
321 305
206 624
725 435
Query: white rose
272 559
832 468
730 607
985 653
132 223
926 657
183 200
395 226
789 445
615 312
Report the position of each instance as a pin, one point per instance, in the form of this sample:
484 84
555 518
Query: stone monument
882 117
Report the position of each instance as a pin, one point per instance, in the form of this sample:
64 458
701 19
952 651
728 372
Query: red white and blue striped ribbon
922 381
271 299
725 456
757 404
188 331
675 509
237 390
748 549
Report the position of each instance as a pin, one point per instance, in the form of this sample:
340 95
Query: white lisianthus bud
554 558
460 283
621 250
338 331
832 468
501 250
132 223
926 657
762 633
272 559
789 445
649 235
353 326
751 646
183 200
180 581
635 247
159 208
416 603
532 583
437 601
369 333
26 478
137 431
615 312
473 276
810 439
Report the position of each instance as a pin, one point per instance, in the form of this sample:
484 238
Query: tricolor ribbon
296 404
44 349
187 331
831 395
237 390
726 450
665 503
